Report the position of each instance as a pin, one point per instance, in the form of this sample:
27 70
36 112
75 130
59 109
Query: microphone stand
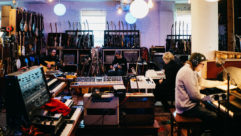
228 94
228 86
135 75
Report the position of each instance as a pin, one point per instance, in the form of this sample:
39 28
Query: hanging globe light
139 9
130 19
59 9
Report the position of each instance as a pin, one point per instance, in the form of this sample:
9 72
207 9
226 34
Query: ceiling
3 2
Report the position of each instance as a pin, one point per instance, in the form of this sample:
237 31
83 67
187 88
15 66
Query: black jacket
50 58
122 62
167 87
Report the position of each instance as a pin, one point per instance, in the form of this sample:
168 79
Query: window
97 21
183 19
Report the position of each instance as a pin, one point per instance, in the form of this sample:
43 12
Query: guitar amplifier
137 109
101 109
69 59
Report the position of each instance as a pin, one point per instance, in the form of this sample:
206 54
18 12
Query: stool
181 122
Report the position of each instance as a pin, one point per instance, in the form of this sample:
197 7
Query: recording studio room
120 67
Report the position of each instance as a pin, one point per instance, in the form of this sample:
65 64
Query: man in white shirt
187 91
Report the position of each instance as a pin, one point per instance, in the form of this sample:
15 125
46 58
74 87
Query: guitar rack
74 39
85 39
178 44
122 39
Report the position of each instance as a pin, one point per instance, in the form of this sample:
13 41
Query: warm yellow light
50 0
150 4
119 10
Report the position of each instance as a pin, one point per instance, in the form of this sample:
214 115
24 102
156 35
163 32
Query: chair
187 123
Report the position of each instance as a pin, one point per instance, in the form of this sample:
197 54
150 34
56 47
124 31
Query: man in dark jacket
119 65
166 87
51 60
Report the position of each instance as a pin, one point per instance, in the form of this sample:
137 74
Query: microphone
220 62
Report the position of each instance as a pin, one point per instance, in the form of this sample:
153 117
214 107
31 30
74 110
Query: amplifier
69 59
101 110
137 109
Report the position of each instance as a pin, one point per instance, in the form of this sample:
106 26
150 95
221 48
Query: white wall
205 27
166 20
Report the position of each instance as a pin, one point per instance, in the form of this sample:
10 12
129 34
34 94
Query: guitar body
1 68
52 68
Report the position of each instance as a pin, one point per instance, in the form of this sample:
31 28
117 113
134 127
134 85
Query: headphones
196 58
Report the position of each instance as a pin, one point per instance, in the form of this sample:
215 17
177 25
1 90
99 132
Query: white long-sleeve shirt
187 90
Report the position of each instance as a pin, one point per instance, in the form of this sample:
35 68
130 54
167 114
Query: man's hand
119 66
225 82
49 65
160 81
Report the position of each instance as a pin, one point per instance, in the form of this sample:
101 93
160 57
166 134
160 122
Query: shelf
53 47
70 64
62 48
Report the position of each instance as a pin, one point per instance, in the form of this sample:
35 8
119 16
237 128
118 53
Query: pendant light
59 9
130 19
139 9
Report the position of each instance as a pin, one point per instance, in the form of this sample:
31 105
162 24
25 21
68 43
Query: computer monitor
26 92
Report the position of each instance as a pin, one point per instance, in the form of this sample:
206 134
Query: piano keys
51 122
233 107
72 122
55 86
219 103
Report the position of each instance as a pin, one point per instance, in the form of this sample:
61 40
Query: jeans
209 118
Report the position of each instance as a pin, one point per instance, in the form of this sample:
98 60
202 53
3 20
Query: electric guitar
46 68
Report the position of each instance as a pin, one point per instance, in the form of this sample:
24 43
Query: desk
119 130
142 83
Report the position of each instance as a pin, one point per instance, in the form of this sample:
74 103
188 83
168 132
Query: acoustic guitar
52 68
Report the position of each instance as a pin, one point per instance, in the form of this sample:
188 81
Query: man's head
53 52
167 57
118 54
197 61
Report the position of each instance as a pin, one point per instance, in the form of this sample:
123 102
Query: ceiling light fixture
130 19
119 10
139 9
59 9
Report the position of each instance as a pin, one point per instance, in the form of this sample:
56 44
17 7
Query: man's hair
117 52
196 58
168 56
